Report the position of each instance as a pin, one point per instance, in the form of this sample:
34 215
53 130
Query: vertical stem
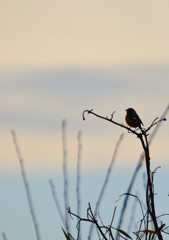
65 175
139 165
28 193
150 193
56 200
106 180
4 236
78 181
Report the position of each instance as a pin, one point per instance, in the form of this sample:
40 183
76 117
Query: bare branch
78 180
56 200
155 122
105 182
145 144
91 219
65 175
4 236
109 120
27 188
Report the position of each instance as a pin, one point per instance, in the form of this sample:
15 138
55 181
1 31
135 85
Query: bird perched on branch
132 118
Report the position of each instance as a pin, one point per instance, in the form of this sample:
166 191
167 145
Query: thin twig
4 236
108 119
90 218
105 183
53 189
145 144
113 216
78 180
27 188
138 167
65 177
132 216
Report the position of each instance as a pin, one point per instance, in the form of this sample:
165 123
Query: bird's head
130 110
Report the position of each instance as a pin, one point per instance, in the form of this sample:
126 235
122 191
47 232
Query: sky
40 34
59 58
36 106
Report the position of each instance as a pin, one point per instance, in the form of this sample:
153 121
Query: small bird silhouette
132 118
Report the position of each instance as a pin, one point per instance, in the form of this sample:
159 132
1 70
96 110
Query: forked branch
142 135
110 119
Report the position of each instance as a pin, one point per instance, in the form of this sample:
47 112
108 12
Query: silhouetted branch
113 216
155 122
135 196
105 231
138 167
150 186
108 119
145 144
90 218
121 125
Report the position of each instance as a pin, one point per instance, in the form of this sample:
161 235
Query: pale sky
41 33
34 103
69 56
37 36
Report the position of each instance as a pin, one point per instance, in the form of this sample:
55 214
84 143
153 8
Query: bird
132 118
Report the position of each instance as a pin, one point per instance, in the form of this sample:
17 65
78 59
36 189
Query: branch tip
112 115
88 111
